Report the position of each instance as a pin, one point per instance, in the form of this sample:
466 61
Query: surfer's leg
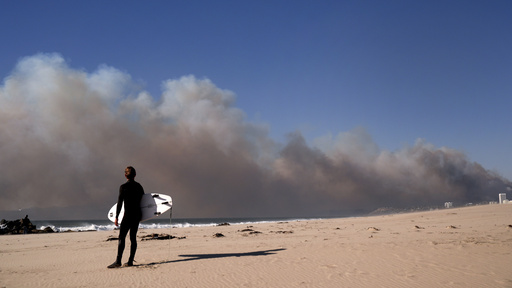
133 241
122 237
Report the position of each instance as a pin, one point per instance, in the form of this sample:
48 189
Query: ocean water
156 223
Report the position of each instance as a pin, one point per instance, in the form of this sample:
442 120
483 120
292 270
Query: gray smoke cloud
67 135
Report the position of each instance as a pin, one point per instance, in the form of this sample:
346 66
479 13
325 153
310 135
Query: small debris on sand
282 232
246 230
156 236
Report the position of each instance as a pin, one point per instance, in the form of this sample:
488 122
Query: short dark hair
132 173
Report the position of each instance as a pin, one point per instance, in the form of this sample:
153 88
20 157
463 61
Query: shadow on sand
191 257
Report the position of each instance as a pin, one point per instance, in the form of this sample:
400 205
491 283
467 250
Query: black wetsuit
130 193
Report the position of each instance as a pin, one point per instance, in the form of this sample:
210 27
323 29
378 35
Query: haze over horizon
255 109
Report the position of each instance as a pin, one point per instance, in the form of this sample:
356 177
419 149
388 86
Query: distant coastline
163 222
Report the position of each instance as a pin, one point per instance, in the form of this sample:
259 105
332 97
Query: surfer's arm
119 202
142 189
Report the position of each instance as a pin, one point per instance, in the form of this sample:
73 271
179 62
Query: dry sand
459 247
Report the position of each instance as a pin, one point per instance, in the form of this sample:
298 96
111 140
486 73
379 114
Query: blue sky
403 70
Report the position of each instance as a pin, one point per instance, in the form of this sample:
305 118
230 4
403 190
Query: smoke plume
66 136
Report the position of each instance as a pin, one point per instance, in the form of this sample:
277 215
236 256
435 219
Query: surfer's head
129 172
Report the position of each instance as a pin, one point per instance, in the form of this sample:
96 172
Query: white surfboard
151 205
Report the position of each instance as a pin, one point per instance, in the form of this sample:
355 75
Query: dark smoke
67 135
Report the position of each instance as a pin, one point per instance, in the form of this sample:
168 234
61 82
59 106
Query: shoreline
456 247
86 225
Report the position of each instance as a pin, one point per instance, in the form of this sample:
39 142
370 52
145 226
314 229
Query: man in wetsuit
130 193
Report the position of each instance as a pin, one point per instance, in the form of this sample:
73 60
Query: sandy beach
458 247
